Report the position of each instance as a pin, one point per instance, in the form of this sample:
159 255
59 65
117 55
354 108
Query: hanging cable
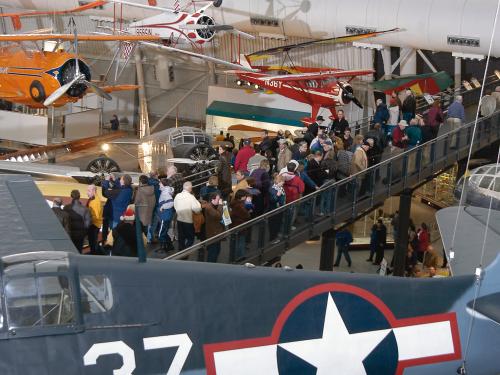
463 369
475 127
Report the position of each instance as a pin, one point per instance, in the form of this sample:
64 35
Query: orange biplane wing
116 88
16 17
71 37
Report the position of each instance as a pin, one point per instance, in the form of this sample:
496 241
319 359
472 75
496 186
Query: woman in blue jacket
120 195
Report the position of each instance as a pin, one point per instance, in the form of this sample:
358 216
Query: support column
408 65
143 126
327 250
402 242
386 58
458 73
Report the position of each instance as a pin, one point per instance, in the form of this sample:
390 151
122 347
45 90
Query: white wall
20 127
82 124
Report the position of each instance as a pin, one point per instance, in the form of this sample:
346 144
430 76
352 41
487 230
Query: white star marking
337 352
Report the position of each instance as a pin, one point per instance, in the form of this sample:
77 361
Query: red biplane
318 87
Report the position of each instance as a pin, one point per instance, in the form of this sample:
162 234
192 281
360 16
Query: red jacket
241 161
423 240
397 138
294 188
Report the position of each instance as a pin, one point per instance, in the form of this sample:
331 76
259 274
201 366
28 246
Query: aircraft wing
116 88
81 8
320 75
263 54
71 37
214 60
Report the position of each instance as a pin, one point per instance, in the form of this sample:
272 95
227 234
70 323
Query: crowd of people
268 174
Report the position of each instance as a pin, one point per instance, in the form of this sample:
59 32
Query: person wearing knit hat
124 235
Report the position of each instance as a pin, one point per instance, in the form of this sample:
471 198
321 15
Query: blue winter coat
120 198
381 115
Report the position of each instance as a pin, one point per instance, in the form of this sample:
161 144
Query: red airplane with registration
320 88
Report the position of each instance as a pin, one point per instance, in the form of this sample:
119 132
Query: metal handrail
400 157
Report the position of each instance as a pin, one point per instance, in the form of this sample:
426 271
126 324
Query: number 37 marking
182 341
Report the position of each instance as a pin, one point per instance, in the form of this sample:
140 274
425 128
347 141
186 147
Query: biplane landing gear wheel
103 165
205 156
37 91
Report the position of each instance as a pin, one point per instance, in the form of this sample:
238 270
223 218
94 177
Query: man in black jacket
339 125
79 219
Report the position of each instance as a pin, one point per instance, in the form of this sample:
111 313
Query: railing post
389 178
333 206
402 240
327 250
354 184
405 169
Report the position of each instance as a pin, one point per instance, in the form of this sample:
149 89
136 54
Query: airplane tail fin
245 62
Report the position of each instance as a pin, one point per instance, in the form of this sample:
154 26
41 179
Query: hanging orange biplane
39 78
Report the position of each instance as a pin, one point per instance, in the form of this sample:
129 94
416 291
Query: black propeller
348 94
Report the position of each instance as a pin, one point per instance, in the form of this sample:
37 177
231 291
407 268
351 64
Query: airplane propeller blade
62 90
357 102
97 90
348 93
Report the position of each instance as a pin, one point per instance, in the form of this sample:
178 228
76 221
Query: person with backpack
79 220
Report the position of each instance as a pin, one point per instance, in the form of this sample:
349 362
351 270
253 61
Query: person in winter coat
284 154
261 177
120 195
124 235
175 179
145 202
166 214
435 118
423 241
62 216
95 209
339 125
343 239
381 115
185 204
254 161
315 171
294 186
224 172
277 198
409 106
241 182
239 215
243 156
155 219
212 209
381 241
79 220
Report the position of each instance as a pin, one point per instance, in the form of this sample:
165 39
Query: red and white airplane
320 88
172 25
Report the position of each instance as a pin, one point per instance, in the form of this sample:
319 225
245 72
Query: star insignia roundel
339 329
